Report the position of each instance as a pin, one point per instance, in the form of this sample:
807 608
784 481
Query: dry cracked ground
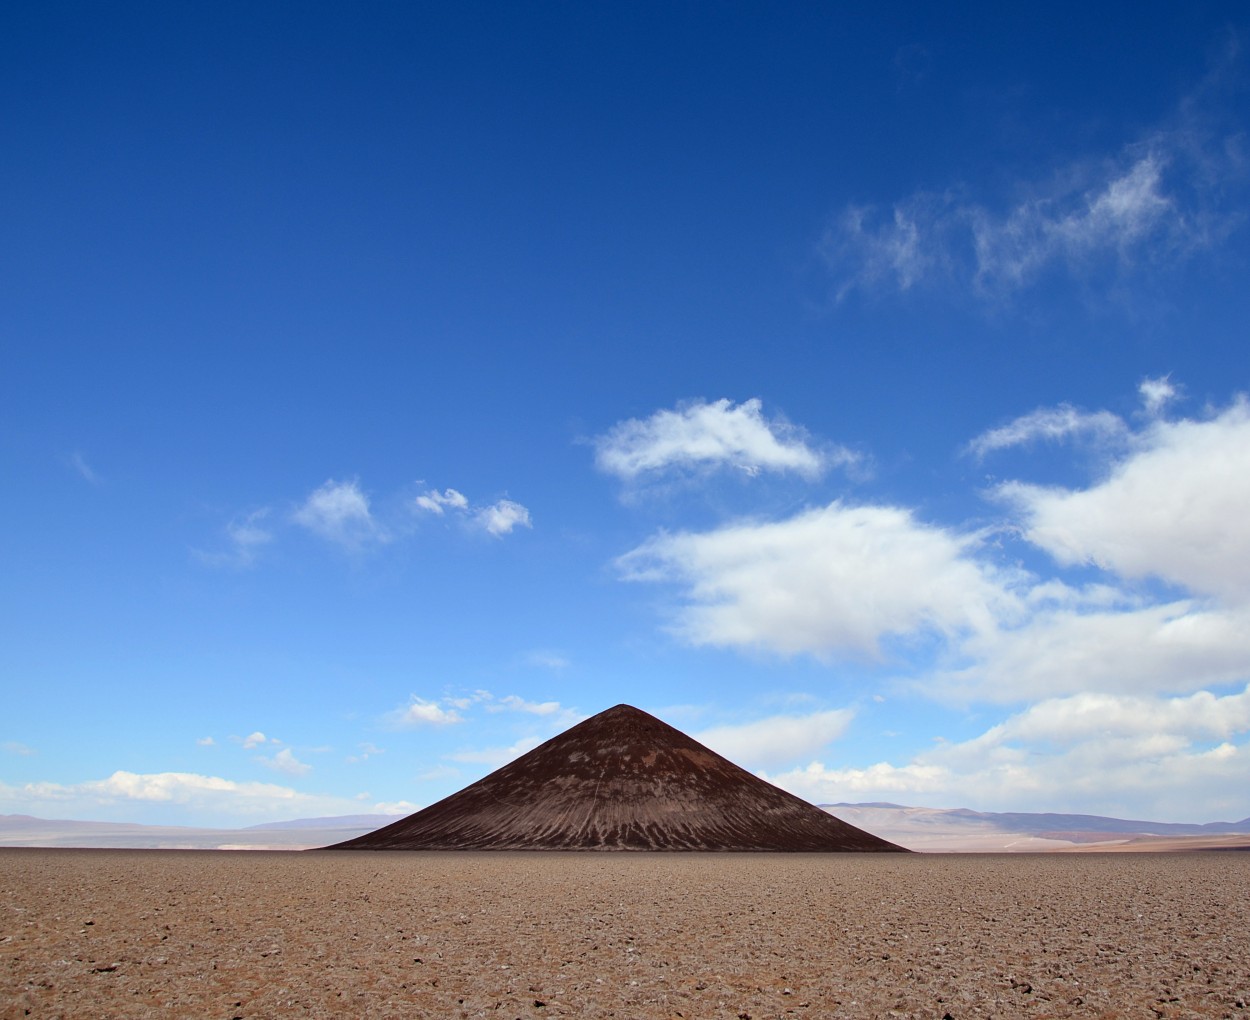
105 933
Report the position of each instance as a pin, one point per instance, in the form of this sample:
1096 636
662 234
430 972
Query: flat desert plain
115 933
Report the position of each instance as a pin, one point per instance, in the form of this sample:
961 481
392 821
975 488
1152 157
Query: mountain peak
621 780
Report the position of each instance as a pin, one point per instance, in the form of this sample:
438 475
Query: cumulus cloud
497 519
777 739
1174 508
286 762
1156 394
494 757
339 512
436 502
204 796
420 712
1179 758
1171 647
709 435
501 518
939 606
829 581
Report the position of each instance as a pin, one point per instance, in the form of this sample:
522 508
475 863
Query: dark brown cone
621 780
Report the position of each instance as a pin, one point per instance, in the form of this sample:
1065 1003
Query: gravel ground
113 933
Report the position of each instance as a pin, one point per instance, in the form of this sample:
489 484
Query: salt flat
92 933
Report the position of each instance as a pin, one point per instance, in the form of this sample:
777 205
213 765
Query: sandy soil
107 933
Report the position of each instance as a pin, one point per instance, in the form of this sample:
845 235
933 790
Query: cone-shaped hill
621 780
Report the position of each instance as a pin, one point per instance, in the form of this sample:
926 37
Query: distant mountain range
928 829
297 834
959 829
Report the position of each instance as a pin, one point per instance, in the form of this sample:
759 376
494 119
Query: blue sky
386 387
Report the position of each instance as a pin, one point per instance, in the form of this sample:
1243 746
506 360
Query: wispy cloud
339 512
85 471
494 757
547 659
1158 201
1051 424
702 435
286 762
247 536
513 703
17 747
779 738
420 712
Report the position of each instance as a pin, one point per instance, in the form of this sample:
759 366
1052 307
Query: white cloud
496 756
502 517
466 701
246 536
435 502
1156 394
548 659
1052 424
873 581
498 519
438 773
515 704
286 762
420 712
777 739
1157 202
1174 508
395 807
85 471
1175 646
828 581
17 747
1112 216
206 741
367 751
339 512
709 435
1125 756
206 797
1070 721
